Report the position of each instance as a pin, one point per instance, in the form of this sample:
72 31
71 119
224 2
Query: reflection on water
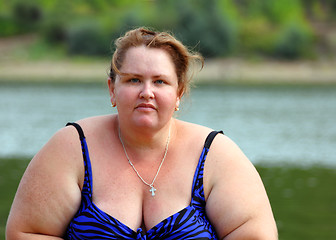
272 124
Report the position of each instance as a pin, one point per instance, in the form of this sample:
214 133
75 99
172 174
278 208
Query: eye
134 80
159 81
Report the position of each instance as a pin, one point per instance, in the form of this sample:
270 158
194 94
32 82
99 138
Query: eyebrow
138 75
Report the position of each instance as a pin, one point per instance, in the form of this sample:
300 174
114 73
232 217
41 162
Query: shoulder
191 131
50 184
62 154
226 163
236 197
194 135
224 151
97 125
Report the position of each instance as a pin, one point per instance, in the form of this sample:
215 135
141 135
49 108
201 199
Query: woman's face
146 93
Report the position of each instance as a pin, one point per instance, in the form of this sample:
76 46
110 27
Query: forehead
146 60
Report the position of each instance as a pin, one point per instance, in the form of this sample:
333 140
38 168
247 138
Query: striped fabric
190 223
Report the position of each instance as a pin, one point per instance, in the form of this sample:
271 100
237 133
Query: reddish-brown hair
181 56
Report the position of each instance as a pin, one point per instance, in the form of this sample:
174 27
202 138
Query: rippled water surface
272 124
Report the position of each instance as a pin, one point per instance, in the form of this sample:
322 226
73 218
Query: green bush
88 38
27 16
203 24
54 32
293 43
275 28
8 27
257 36
21 18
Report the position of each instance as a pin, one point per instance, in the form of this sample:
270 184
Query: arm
237 203
49 193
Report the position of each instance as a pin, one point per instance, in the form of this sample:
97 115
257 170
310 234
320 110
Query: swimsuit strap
210 138
79 129
198 199
87 185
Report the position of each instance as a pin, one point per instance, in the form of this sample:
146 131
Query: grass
11 171
303 199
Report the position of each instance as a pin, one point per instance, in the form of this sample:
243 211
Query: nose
147 91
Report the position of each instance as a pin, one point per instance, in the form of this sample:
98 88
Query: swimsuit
190 223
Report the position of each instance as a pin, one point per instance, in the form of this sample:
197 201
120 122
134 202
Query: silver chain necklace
151 185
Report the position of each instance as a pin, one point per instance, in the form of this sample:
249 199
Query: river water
272 124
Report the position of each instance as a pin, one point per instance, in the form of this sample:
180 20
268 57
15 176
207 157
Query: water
272 124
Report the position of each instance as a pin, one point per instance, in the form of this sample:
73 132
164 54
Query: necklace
151 185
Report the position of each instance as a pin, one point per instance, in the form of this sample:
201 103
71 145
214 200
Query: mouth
145 106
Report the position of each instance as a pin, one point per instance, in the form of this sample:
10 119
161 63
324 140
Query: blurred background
269 83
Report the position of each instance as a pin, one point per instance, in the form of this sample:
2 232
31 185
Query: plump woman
141 173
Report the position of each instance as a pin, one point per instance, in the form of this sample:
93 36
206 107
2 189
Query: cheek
168 99
124 95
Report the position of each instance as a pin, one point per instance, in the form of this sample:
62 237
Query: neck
143 138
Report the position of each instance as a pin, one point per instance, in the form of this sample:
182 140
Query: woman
144 174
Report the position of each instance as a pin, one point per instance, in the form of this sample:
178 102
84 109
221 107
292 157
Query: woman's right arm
49 193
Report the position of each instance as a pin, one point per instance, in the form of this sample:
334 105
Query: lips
146 106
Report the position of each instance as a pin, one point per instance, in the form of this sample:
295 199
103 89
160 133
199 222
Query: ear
177 102
180 92
111 90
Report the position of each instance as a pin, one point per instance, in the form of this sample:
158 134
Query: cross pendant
152 190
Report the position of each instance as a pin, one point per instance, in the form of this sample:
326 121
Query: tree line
217 28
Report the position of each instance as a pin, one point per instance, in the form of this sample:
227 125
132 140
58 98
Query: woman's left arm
237 203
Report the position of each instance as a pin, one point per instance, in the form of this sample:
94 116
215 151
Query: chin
146 122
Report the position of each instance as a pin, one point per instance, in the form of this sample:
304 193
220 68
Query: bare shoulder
191 131
61 152
224 152
237 203
192 137
49 192
95 126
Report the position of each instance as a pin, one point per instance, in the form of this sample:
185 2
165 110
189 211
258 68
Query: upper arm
49 192
237 204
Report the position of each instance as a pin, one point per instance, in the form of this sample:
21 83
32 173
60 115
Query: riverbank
215 71
269 72
28 59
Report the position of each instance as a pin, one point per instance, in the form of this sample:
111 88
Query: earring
113 105
177 108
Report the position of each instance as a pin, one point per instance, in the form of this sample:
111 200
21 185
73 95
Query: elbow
264 234
253 230
13 231
11 234
254 236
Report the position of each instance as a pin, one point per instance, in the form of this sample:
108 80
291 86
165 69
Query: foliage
294 42
271 28
276 29
203 24
257 36
25 18
87 38
8 27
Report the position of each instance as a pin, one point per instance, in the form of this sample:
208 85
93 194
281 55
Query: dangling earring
113 104
177 108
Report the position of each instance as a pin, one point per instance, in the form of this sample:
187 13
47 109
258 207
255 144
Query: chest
119 191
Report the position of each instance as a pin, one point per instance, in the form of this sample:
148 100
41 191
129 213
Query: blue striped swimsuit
190 223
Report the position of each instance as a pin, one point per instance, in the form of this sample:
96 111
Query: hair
181 56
